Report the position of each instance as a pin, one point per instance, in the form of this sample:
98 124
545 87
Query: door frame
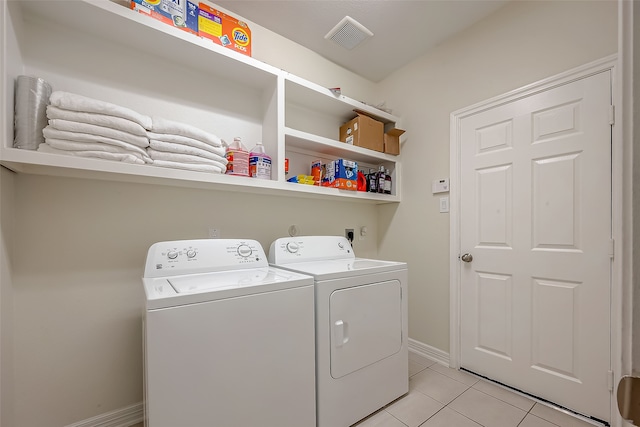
618 217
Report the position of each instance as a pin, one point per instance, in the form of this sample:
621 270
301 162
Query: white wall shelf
35 163
103 49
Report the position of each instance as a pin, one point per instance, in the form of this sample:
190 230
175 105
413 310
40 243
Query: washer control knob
244 251
172 254
292 247
341 245
191 253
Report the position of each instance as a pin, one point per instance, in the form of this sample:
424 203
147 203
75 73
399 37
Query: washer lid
218 281
193 288
339 268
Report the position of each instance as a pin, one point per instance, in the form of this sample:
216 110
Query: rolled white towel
160 125
189 166
170 147
125 158
75 102
184 158
69 126
113 122
62 144
50 132
185 140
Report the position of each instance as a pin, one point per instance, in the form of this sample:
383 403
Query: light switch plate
444 204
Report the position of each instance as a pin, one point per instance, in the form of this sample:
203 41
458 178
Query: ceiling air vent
349 33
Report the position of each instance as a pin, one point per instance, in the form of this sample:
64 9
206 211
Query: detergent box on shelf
178 13
341 174
223 29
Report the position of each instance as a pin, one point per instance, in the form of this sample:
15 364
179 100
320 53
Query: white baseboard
428 352
123 417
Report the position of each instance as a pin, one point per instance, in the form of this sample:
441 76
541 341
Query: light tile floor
443 397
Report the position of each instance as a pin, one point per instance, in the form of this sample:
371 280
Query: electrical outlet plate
346 233
214 233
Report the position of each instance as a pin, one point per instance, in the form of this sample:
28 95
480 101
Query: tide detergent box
224 29
178 13
342 174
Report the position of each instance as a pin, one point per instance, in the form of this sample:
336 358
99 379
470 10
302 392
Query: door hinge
612 248
610 380
612 114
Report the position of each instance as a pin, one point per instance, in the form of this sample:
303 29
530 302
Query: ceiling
403 29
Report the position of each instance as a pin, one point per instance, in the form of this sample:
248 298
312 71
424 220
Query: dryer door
366 325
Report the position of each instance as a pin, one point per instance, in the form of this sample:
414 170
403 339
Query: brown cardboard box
363 131
392 141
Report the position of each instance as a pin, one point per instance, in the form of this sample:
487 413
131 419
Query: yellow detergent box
178 13
224 29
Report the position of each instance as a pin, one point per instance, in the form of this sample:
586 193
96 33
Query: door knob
467 257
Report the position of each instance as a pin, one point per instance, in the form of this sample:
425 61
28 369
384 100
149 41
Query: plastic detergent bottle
237 158
259 162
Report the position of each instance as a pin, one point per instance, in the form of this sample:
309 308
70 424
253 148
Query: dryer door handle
341 333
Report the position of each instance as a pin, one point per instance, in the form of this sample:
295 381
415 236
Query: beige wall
523 42
72 298
77 268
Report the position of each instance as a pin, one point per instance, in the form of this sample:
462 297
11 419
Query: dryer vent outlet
348 233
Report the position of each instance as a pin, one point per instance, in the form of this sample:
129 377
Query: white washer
361 326
229 340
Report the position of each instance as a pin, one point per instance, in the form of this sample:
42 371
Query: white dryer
229 340
361 326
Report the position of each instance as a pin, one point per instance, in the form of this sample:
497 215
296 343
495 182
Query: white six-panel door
535 215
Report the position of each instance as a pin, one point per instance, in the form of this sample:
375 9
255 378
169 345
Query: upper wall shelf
293 117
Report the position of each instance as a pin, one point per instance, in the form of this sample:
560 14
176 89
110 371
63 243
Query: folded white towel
184 140
66 125
126 158
189 166
62 144
50 132
113 122
184 158
170 147
187 146
72 101
160 125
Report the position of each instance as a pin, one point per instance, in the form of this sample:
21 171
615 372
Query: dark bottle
372 181
382 176
387 182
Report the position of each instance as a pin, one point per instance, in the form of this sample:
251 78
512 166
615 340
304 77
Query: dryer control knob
292 247
244 251
172 254
191 253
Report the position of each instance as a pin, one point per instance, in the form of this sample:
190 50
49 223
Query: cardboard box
224 29
182 14
392 141
363 131
341 174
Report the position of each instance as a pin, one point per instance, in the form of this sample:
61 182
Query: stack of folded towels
85 127
182 146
